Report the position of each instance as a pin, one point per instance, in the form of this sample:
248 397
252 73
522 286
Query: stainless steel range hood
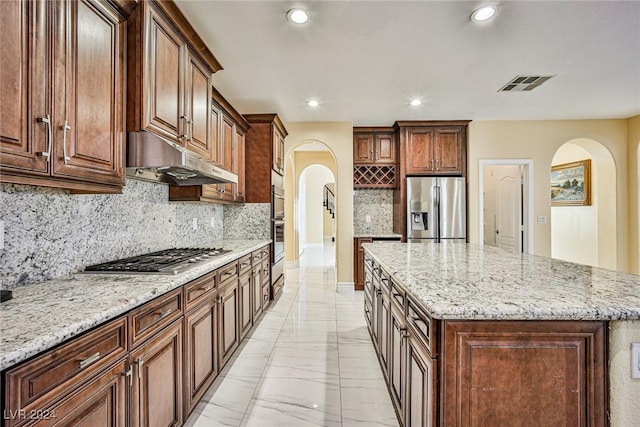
152 158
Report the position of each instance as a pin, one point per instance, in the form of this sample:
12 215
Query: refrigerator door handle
436 210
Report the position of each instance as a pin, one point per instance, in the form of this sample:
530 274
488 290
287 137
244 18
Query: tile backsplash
50 232
378 205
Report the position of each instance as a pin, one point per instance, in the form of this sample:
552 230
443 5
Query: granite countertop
45 314
467 281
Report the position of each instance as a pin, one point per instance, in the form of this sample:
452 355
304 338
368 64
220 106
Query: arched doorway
315 219
308 155
587 234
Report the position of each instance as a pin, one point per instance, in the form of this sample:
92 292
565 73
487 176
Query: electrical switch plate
635 360
542 219
194 224
1 234
368 218
213 222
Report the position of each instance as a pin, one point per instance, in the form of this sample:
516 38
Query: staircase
328 201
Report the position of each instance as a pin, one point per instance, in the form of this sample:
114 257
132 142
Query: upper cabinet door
385 148
24 86
449 152
363 150
164 79
88 120
419 151
198 106
217 152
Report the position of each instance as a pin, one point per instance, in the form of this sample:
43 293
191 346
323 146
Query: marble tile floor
309 361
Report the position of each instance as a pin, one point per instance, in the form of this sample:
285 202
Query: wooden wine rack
374 176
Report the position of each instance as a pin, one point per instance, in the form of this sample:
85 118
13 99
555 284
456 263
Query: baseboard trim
292 264
344 285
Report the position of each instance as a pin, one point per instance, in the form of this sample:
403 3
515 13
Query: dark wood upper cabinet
66 75
374 145
264 152
434 150
169 84
227 150
374 157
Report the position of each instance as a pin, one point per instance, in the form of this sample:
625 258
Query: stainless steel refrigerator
436 209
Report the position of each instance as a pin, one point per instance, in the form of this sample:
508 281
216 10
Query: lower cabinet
147 368
156 395
485 373
228 321
256 292
245 304
201 352
420 392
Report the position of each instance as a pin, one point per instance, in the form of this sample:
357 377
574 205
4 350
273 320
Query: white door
509 207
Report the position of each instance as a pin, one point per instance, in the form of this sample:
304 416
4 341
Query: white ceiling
365 60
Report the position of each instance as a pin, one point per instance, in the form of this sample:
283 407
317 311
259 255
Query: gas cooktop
168 261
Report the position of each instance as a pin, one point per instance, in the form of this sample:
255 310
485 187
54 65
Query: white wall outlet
542 219
635 360
194 223
368 218
1 234
213 222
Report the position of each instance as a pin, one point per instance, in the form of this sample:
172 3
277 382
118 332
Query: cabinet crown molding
402 124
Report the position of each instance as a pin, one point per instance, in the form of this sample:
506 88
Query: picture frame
571 184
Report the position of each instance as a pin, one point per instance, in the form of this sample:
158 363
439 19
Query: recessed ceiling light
298 16
484 13
313 103
416 102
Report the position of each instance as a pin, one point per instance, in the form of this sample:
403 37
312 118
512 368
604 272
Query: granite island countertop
45 314
473 282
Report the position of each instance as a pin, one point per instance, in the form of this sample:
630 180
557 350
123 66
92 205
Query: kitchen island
473 335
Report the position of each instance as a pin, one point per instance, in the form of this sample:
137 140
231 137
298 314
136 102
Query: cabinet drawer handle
404 332
206 288
378 292
163 314
65 128
89 360
47 120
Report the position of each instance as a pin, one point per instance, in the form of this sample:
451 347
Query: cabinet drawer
397 296
145 321
385 281
264 252
256 257
265 295
244 263
33 384
423 325
368 263
266 270
367 312
199 290
227 274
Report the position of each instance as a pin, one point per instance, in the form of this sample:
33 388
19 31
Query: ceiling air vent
524 83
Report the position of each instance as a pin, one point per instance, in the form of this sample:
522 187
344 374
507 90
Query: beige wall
634 193
574 229
539 140
624 390
338 137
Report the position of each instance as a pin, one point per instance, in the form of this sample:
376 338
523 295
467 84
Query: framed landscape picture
571 184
